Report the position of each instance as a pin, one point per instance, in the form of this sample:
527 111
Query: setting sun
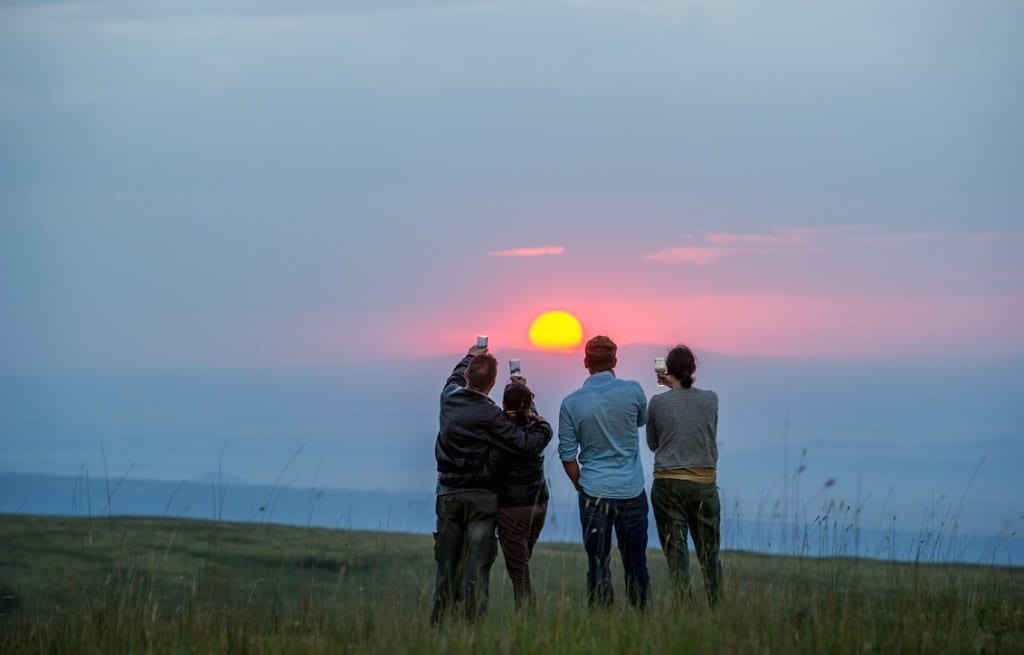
556 330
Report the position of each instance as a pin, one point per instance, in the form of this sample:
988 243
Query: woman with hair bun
682 433
523 503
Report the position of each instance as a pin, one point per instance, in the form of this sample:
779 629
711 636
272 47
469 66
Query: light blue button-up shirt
598 425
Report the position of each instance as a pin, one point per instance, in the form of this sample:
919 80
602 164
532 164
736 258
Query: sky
256 184
250 239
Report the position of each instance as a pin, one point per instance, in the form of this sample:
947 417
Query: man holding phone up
473 433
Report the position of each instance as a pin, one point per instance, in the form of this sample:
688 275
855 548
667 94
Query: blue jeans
628 517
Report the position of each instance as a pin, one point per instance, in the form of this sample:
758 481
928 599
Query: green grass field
141 585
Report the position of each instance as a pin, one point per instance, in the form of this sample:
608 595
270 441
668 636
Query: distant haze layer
910 438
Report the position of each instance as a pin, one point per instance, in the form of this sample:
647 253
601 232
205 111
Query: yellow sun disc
556 330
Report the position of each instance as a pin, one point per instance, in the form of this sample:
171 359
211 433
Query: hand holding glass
660 368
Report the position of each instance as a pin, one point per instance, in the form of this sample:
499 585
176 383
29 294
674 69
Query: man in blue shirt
599 445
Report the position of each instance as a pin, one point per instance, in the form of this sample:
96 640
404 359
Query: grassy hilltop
138 585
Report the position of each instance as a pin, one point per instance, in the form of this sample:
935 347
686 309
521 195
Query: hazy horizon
885 437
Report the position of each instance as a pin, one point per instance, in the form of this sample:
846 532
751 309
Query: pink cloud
707 254
690 254
803 240
779 241
528 252
782 236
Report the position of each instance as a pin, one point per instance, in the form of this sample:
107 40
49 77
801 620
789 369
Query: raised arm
532 438
458 376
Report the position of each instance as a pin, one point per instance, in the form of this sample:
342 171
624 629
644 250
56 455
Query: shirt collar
597 378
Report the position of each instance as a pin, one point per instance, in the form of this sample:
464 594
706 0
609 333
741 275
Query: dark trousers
464 549
628 517
518 530
681 505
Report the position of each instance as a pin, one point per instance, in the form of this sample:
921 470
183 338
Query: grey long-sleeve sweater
682 429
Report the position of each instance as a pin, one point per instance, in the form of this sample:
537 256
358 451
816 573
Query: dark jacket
474 432
522 475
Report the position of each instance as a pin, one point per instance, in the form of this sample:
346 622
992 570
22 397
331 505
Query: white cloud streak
528 252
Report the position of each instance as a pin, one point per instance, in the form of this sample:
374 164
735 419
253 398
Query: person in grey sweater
682 431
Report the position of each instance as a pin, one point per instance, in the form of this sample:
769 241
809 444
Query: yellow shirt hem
701 474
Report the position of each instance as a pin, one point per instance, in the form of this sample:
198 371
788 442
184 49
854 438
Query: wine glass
660 368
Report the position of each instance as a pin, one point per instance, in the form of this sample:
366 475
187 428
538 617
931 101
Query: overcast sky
252 185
